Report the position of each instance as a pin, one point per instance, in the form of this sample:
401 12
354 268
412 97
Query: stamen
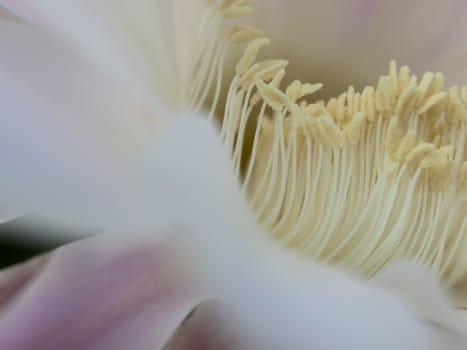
249 56
362 179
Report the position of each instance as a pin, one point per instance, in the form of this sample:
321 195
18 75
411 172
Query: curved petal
134 41
95 294
341 43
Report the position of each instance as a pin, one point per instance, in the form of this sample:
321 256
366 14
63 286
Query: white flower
101 125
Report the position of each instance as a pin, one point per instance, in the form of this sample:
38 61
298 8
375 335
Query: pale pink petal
95 294
341 42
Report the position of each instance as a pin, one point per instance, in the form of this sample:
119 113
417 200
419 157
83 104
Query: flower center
361 178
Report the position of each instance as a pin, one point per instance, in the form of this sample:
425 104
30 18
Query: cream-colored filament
361 179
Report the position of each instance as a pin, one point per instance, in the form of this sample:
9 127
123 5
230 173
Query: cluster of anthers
361 179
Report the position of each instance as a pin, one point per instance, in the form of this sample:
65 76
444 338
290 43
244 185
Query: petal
420 291
341 43
187 19
8 215
134 41
464 317
207 327
95 294
67 129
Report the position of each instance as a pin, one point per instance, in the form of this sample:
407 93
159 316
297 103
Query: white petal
8 215
67 130
421 293
132 39
187 19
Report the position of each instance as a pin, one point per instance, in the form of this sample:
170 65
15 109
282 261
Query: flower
389 178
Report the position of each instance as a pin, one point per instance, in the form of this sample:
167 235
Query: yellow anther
357 103
309 89
353 130
442 175
297 90
368 101
315 109
385 95
333 133
432 101
275 98
249 55
406 102
424 85
393 75
331 106
293 90
248 77
437 84
276 81
235 11
264 70
340 107
406 145
419 152
404 78
269 71
379 99
439 108
245 33
436 156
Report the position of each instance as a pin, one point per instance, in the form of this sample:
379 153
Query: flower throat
361 179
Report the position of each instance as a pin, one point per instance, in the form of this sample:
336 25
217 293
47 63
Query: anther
245 33
249 55
275 98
